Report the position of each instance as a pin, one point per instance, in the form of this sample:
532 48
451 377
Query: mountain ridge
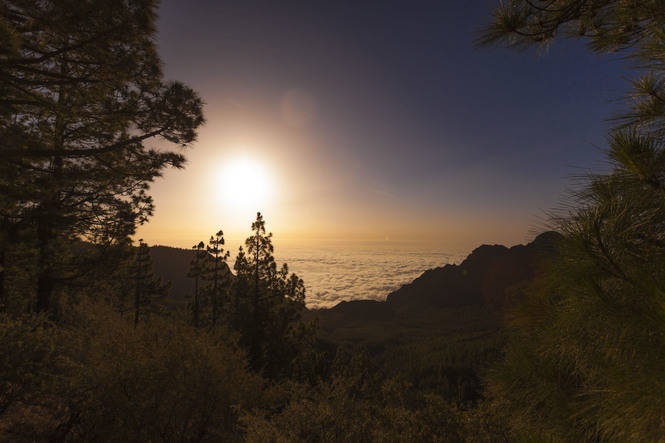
469 296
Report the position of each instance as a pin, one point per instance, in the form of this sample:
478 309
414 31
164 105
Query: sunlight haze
438 149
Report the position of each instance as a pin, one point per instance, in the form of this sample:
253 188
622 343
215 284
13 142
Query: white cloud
334 274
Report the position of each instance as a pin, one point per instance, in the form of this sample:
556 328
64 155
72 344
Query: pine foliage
587 352
82 94
267 308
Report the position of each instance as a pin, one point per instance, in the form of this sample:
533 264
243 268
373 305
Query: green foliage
335 411
587 349
29 355
356 405
587 354
18 274
451 367
609 25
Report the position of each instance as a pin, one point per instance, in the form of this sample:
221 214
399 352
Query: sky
374 121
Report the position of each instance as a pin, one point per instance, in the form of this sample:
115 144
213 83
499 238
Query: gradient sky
375 120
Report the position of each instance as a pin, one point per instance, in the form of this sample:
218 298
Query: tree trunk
46 230
256 267
196 302
214 295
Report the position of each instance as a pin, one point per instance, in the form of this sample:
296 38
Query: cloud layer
336 273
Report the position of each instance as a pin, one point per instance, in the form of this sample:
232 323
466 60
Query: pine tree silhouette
218 272
587 348
267 305
197 270
147 287
86 95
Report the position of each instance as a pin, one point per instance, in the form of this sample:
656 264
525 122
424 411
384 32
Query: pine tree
241 265
82 93
198 270
267 306
240 314
260 249
587 345
218 272
147 287
607 25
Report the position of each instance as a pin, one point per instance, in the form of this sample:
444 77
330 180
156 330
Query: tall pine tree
198 269
586 355
147 287
82 93
219 274
267 307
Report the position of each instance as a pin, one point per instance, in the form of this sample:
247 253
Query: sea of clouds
338 272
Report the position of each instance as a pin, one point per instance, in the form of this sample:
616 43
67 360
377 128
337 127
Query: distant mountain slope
482 278
172 264
453 298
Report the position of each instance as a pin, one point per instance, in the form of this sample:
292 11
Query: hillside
172 265
484 277
467 298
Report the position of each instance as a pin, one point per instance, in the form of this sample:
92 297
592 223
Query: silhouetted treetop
610 25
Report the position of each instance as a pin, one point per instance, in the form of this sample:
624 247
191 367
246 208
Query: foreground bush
98 378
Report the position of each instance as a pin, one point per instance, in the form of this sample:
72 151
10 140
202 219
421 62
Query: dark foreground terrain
439 332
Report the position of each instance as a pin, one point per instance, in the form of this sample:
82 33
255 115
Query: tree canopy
586 355
82 95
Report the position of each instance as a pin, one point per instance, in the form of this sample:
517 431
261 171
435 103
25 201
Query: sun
245 184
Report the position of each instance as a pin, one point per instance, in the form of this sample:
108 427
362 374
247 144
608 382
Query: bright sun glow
245 184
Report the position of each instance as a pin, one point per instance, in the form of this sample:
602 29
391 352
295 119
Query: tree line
261 304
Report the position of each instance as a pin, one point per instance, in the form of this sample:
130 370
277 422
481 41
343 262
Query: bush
99 378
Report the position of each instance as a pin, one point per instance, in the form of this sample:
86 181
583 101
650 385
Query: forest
562 339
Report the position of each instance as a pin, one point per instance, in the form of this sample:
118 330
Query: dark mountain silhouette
466 297
172 265
482 278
